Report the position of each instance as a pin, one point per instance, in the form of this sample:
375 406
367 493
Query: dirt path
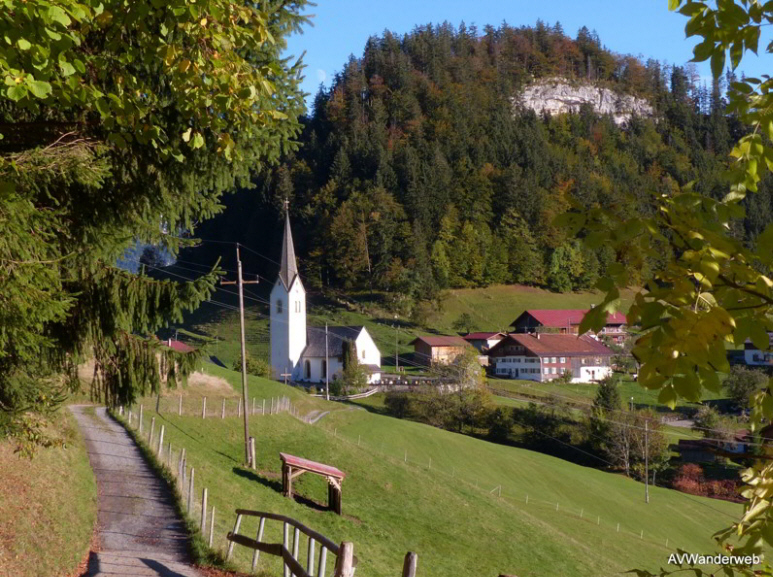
140 534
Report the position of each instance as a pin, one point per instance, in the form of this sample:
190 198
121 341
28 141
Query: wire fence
176 462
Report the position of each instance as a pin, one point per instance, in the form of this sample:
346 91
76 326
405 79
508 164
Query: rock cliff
559 96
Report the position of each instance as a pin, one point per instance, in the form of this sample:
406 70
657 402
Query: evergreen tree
113 137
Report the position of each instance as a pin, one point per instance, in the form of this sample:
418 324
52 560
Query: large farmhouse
755 357
483 341
546 356
310 354
568 322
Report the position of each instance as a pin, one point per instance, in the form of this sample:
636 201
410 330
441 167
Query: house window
547 371
307 369
552 370
279 306
563 360
553 360
563 371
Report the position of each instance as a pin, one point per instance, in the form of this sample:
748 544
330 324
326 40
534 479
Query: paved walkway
139 532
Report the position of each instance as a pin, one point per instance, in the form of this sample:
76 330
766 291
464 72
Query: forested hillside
417 171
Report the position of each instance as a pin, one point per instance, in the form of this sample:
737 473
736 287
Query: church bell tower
288 311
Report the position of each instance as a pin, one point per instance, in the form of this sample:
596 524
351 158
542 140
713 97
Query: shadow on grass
277 487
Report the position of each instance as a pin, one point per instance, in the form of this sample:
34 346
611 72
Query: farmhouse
438 350
545 356
310 354
483 341
567 322
755 357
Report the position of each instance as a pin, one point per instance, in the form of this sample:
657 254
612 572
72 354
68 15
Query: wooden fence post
211 526
140 429
169 456
152 429
160 441
263 411
222 409
190 490
410 564
180 407
240 408
253 406
252 454
345 560
204 408
203 526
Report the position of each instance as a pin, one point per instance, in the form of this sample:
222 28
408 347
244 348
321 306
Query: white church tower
288 312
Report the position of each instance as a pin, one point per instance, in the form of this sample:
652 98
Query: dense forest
417 172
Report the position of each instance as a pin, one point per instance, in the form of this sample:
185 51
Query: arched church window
279 306
307 369
363 353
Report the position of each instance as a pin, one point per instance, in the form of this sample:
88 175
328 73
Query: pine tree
108 142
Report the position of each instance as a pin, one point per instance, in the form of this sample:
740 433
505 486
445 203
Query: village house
484 341
568 322
301 353
438 350
543 357
757 358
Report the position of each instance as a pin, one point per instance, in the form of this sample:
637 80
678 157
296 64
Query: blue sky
639 27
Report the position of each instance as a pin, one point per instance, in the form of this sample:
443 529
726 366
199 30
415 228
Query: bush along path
139 531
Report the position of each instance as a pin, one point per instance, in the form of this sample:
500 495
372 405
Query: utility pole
646 462
240 282
397 359
327 369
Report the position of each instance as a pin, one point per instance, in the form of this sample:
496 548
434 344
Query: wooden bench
293 467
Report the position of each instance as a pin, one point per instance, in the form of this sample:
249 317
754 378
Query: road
139 532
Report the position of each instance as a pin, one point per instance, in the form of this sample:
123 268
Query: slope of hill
47 505
414 487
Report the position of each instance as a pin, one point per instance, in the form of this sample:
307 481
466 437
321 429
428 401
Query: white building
757 358
543 357
308 354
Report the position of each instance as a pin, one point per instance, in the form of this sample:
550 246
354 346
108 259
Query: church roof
288 267
336 336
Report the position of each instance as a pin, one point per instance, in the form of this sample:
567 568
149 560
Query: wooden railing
345 560
345 563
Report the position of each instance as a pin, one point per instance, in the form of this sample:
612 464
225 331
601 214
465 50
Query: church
308 354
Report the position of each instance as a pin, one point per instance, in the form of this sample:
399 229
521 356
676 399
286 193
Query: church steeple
288 268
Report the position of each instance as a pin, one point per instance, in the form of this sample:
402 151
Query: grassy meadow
47 506
413 487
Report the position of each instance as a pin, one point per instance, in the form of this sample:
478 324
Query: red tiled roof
442 341
480 336
554 344
179 346
567 317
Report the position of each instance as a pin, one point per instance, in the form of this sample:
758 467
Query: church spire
288 268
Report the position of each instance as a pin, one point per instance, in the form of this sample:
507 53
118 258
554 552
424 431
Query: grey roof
336 336
288 267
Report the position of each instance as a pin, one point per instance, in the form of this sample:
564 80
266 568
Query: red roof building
567 321
179 346
543 357
483 341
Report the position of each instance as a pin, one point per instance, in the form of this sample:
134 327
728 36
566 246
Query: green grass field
496 307
47 506
414 487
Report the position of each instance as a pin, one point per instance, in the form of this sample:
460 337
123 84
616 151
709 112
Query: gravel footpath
139 532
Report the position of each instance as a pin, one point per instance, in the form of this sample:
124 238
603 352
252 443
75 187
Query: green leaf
198 140
668 397
759 336
674 4
16 93
23 44
703 50
79 66
56 14
117 139
39 88
67 69
187 135
717 63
